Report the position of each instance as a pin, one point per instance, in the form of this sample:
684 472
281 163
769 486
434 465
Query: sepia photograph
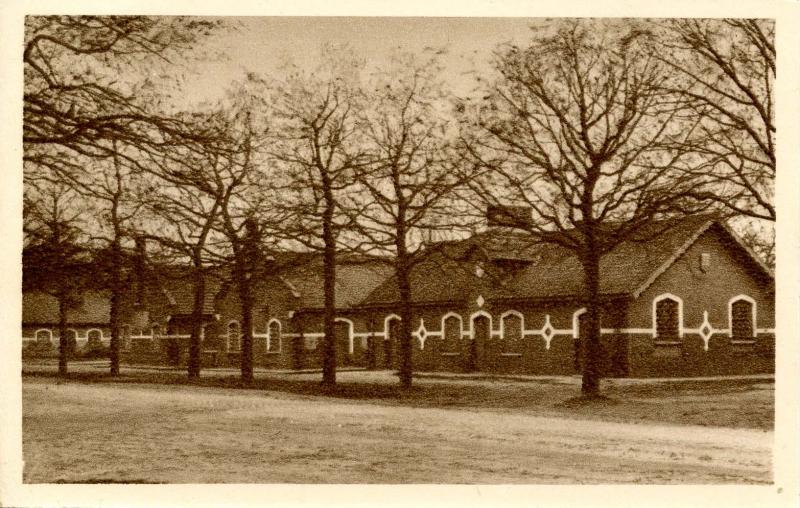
397 250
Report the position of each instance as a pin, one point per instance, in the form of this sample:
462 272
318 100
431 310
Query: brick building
692 300
88 321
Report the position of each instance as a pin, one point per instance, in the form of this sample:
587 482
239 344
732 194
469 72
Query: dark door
344 356
390 344
480 329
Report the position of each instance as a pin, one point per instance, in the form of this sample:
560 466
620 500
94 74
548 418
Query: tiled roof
301 273
42 308
513 266
355 279
176 282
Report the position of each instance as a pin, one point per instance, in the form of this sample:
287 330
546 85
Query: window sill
668 342
743 341
511 354
450 354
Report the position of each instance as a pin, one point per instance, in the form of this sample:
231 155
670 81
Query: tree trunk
590 386
63 344
116 269
197 321
116 290
406 317
402 270
329 283
246 307
329 287
406 350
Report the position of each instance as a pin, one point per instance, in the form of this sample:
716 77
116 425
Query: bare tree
408 181
83 102
725 71
185 204
54 260
79 87
759 235
315 146
246 205
573 129
109 187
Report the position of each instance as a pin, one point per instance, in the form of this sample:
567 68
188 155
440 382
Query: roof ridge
691 241
673 258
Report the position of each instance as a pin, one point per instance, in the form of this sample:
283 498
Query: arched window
668 317
274 336
94 337
72 340
579 328
511 323
578 322
742 316
234 336
343 329
391 327
451 333
44 336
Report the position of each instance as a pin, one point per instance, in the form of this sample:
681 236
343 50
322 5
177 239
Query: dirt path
79 432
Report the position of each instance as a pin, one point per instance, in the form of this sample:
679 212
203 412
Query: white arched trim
49 334
576 322
674 298
459 334
350 329
386 322
98 330
269 335
460 322
472 322
754 314
503 317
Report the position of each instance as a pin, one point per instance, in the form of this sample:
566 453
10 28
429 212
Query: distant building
87 322
691 300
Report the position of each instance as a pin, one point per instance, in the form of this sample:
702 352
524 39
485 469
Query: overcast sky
262 43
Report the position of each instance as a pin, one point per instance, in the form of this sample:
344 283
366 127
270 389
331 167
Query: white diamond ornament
547 331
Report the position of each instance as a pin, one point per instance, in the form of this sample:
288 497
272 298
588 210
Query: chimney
509 216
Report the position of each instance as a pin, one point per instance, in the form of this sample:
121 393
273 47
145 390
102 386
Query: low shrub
94 352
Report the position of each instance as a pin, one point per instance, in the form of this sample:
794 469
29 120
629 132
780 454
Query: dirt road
75 432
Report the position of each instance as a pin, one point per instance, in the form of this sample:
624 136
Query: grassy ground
150 426
741 402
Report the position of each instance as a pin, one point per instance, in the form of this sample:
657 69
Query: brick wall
705 296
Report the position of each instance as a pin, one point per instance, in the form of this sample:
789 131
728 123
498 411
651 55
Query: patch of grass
717 402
